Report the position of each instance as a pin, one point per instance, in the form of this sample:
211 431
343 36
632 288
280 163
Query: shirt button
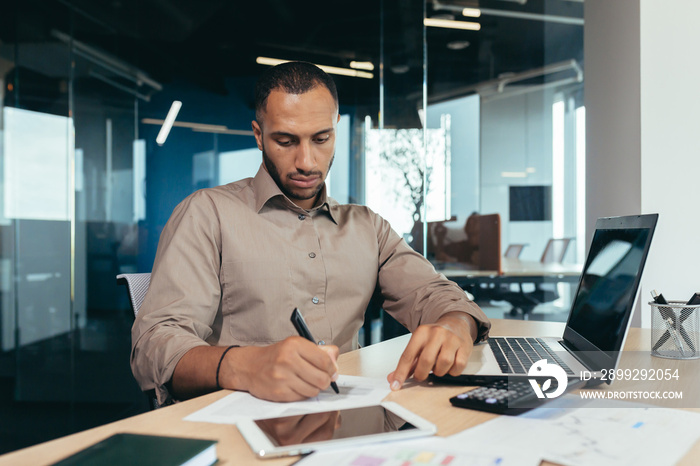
312 255
302 216
314 300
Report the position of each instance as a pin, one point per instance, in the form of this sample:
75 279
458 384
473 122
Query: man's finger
461 360
426 359
447 357
319 378
321 357
333 352
407 363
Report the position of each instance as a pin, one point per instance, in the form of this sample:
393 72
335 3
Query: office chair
555 250
525 302
137 286
514 249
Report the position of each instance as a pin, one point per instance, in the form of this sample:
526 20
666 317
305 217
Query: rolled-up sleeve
414 293
180 308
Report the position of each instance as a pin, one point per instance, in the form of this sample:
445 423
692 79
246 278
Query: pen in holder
675 330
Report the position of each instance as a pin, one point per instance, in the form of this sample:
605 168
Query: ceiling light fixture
444 23
471 12
328 69
362 65
513 174
458 44
168 123
400 69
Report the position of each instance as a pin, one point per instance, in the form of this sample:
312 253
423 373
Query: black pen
303 330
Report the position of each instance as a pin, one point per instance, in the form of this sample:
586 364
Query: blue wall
169 167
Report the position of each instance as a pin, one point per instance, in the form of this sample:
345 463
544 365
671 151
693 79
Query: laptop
599 316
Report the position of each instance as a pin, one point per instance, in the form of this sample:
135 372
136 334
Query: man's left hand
443 348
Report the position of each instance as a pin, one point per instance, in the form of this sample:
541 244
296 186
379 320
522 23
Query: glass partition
36 218
510 77
68 220
395 147
445 123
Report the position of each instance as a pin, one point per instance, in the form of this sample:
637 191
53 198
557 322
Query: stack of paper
354 392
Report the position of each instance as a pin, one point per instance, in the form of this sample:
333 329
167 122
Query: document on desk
637 434
435 451
354 392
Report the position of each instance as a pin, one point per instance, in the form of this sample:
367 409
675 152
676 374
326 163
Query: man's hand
443 348
291 370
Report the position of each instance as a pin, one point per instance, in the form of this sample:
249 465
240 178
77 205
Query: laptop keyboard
516 355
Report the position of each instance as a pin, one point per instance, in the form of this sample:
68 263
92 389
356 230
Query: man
235 260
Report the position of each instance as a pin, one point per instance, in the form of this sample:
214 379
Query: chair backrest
489 242
513 251
137 286
555 250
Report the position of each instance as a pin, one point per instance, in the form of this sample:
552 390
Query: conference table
512 271
487 285
431 401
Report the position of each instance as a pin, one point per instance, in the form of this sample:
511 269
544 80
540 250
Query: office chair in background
525 302
555 250
137 286
514 249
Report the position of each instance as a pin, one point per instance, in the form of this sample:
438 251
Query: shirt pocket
257 301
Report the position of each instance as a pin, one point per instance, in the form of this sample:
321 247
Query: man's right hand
291 370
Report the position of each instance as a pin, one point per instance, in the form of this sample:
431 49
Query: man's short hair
293 78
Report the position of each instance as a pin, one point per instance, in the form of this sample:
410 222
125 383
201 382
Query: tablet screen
331 425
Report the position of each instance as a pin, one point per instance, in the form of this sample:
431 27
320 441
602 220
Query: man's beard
274 173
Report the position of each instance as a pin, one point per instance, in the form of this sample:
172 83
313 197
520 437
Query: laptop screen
609 282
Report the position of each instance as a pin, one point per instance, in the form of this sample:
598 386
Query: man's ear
257 132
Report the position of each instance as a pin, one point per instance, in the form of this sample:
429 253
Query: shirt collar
266 190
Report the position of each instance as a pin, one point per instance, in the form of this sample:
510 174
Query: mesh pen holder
675 330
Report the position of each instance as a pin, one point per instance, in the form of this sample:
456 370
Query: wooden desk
430 402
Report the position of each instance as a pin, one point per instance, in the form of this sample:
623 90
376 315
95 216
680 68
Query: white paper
433 451
354 392
604 435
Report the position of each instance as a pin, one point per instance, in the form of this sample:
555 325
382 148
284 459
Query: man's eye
323 139
284 142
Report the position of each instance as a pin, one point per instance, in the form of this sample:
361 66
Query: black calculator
500 397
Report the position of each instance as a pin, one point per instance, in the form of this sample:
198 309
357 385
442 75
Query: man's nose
305 160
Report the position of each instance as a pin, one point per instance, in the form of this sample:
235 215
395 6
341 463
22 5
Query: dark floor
68 383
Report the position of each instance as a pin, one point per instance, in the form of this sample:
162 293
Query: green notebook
150 450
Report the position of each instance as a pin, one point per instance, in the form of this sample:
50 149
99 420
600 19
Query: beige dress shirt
235 260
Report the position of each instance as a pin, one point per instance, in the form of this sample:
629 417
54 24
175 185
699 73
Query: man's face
297 139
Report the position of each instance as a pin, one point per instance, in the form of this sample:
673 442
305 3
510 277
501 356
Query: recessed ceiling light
362 65
471 12
458 44
443 23
328 69
400 69
514 174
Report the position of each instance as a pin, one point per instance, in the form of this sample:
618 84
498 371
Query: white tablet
300 434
